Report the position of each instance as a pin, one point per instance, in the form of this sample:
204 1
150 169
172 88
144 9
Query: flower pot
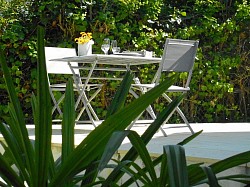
85 49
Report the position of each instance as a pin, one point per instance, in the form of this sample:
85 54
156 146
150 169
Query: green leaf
18 125
236 160
143 153
112 146
68 122
197 175
114 143
212 180
13 149
34 108
177 166
139 174
184 14
120 96
243 178
43 130
9 174
121 166
188 139
164 170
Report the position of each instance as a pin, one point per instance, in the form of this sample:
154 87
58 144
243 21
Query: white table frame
96 59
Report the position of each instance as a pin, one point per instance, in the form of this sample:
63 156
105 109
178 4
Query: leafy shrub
220 81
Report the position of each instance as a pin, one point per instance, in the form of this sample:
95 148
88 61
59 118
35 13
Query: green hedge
220 83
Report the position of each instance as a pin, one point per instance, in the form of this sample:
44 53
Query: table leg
83 97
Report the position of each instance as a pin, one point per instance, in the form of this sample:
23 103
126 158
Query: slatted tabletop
111 59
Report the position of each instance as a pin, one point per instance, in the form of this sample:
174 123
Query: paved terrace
218 140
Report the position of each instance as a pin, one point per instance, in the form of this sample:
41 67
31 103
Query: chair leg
180 113
149 110
89 100
87 106
132 124
89 109
152 114
56 103
184 119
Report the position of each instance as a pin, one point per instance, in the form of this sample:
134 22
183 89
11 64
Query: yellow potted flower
85 43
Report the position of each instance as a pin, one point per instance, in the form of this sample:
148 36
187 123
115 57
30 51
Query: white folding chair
63 68
178 56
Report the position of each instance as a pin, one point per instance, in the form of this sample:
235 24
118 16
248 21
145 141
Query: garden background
220 86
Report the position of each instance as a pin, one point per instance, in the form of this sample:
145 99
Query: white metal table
94 62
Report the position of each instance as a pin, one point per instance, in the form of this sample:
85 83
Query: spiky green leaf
43 130
177 166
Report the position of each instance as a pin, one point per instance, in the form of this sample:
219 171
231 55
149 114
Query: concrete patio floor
217 141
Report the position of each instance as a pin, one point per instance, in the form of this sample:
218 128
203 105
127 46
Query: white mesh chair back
57 67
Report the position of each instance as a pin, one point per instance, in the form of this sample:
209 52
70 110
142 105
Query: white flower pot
85 49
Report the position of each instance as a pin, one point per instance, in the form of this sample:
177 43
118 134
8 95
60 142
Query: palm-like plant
31 163
174 170
33 160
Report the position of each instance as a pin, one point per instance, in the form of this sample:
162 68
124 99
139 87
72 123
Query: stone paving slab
217 141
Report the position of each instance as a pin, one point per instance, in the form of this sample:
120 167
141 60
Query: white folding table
92 62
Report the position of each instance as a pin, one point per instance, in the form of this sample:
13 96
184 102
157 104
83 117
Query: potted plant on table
85 43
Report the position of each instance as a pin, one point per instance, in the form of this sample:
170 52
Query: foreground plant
33 160
174 170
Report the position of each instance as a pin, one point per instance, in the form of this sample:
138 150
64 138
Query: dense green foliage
220 84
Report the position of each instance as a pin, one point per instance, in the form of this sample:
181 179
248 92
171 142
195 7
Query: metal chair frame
57 67
178 56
